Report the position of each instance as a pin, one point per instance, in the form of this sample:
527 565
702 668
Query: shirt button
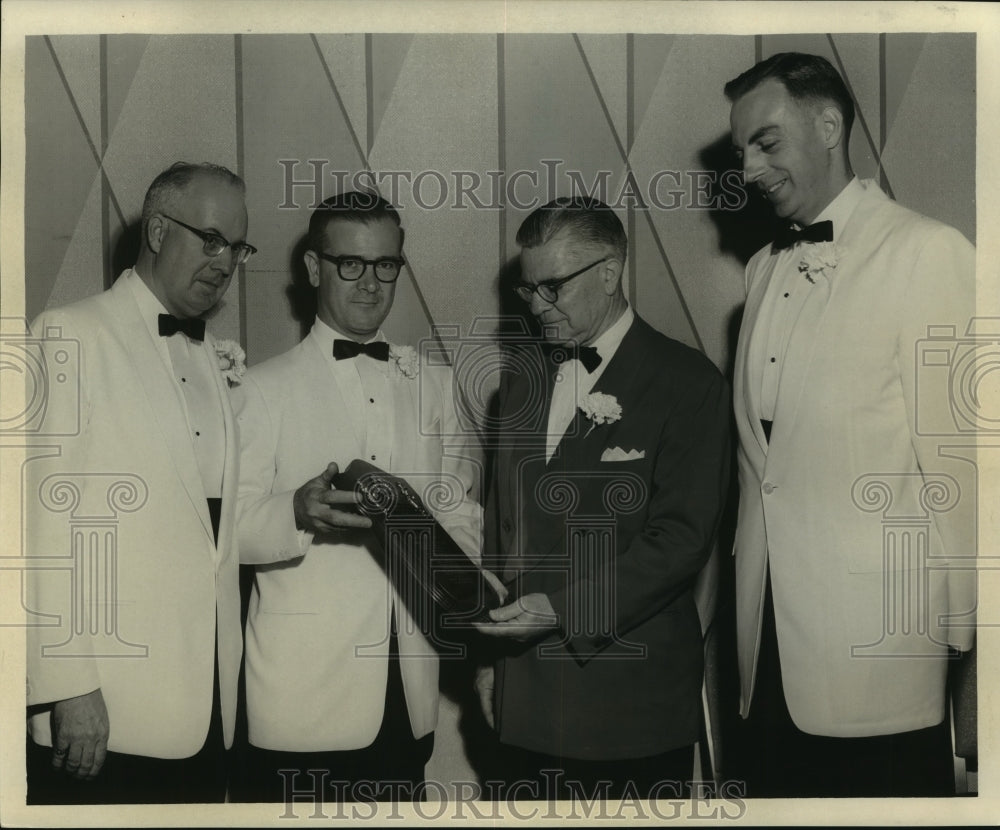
773 359
197 433
184 380
371 400
373 458
767 488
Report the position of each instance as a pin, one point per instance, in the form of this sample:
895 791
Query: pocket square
618 454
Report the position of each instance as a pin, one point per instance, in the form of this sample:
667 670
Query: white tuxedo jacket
137 589
859 505
318 628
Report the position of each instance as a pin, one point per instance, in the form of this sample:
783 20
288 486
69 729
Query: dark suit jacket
616 546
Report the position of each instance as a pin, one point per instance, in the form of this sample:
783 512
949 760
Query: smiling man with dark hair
843 638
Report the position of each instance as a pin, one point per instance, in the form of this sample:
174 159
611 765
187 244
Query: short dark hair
172 181
361 206
588 219
806 77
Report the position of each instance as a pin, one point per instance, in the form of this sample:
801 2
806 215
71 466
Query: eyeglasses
216 244
548 290
350 268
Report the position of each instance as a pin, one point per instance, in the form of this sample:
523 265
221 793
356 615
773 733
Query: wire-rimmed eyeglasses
548 290
215 244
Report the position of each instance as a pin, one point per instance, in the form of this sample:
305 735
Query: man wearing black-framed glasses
342 681
601 677
132 696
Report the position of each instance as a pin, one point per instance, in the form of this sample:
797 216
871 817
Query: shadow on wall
301 295
124 251
744 220
515 324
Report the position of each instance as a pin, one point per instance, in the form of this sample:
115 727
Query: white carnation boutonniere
600 409
232 360
819 259
405 360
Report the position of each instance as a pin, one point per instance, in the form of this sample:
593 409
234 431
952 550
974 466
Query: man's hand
527 618
316 505
80 735
484 688
494 582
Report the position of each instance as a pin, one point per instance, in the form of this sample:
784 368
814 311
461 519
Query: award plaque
420 558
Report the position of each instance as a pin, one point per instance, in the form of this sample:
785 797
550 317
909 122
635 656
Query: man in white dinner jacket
846 614
132 678
341 680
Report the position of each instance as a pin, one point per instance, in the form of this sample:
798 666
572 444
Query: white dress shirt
191 368
573 381
364 380
786 295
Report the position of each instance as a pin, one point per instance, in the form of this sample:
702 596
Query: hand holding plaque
421 559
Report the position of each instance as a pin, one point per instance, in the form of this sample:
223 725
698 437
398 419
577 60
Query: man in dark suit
610 477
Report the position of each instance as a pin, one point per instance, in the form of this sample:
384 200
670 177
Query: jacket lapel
326 379
163 396
230 480
749 353
521 455
581 447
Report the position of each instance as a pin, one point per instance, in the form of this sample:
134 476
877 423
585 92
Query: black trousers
521 774
139 779
781 761
391 768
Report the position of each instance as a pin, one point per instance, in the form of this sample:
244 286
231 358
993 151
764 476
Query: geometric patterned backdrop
105 113
525 113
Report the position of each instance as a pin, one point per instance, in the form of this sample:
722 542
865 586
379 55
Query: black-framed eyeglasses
548 290
351 268
215 243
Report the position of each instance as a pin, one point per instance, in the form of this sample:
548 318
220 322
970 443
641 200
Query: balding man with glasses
610 478
132 683
342 684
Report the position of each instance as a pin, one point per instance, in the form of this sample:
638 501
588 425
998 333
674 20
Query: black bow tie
192 327
346 349
819 232
587 355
